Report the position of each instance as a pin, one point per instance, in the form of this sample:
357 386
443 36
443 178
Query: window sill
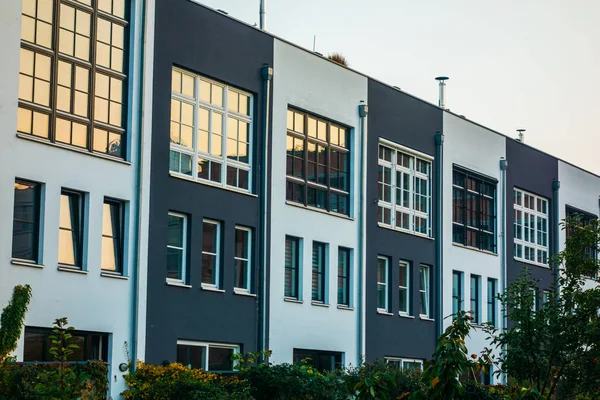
178 284
71 148
208 288
383 312
345 308
406 315
319 304
407 232
208 183
114 276
319 210
71 269
528 262
26 264
243 293
426 318
461 246
292 300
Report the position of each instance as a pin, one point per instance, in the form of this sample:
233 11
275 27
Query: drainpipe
263 14
439 234
556 225
503 276
267 75
363 111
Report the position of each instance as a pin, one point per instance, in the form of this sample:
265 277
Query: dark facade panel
532 171
209 44
409 122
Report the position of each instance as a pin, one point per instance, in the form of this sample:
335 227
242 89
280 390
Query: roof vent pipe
442 80
521 135
263 14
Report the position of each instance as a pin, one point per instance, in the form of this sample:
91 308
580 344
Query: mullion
92 78
54 72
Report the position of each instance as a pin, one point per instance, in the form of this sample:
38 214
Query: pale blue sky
532 64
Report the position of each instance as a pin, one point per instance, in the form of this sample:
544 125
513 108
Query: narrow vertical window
243 251
475 298
404 288
457 291
112 236
211 260
382 281
534 300
70 243
318 272
344 276
491 301
26 221
177 248
292 254
531 228
425 294
545 297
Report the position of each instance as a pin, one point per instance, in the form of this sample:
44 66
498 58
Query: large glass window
531 227
582 218
177 248
292 267
38 342
457 291
211 131
475 298
404 287
473 210
73 74
491 301
383 266
243 254
70 231
214 357
26 221
112 236
344 278
404 190
211 253
319 268
319 359
318 162
425 290
405 363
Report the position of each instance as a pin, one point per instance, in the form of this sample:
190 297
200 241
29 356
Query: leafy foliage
381 380
11 321
338 58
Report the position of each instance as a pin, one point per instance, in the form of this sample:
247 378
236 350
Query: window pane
69 229
111 237
191 356
26 220
219 359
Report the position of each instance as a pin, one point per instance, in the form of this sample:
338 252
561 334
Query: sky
531 64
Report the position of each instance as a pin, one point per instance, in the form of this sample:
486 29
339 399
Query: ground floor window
215 357
321 360
405 363
91 345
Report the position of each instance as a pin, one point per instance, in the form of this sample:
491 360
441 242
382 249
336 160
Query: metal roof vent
521 137
442 80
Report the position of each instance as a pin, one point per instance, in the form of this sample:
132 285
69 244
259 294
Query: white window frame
248 260
401 360
184 250
427 291
384 284
223 110
217 271
537 215
406 264
208 345
414 174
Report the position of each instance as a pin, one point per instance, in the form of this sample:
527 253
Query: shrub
382 380
11 319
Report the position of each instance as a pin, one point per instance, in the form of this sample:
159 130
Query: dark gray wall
205 42
534 172
412 123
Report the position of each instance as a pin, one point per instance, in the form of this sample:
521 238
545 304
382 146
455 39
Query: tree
11 321
556 348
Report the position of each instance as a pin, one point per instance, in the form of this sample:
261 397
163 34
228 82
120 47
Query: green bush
381 380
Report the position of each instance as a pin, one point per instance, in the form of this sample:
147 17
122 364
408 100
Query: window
211 246
318 163
214 357
404 190
211 131
38 342
546 296
404 287
457 291
319 268
475 298
531 227
73 74
583 219
320 360
473 210
26 221
344 259
405 363
491 301
382 280
243 254
112 236
70 231
177 248
534 299
424 289
292 267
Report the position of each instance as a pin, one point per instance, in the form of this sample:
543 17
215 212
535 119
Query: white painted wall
91 302
321 87
476 148
579 189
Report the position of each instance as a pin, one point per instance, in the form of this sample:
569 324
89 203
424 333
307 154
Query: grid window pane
382 279
242 258
404 287
211 232
112 240
176 247
530 228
